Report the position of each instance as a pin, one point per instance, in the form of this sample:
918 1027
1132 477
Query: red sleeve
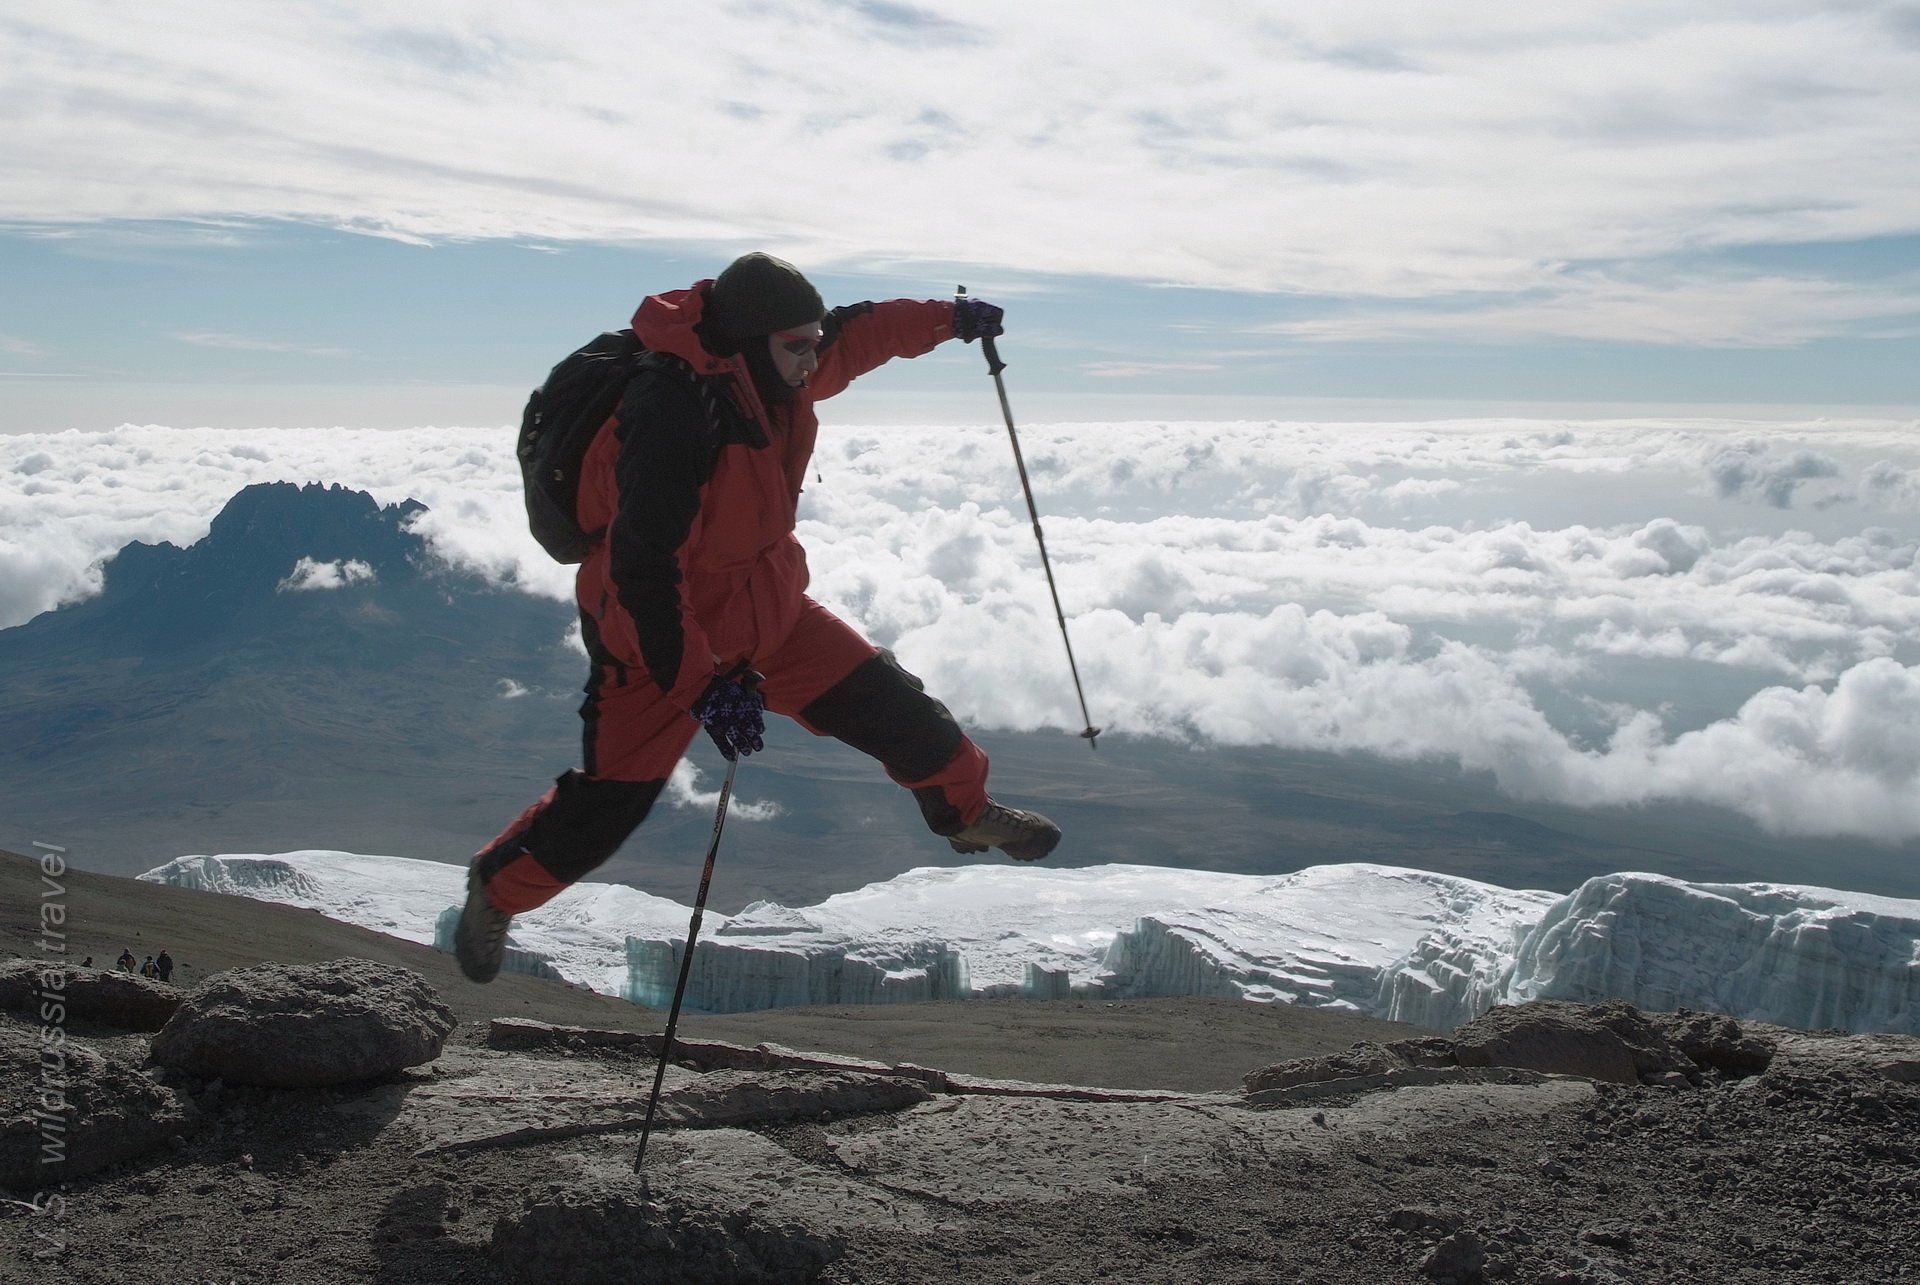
868 335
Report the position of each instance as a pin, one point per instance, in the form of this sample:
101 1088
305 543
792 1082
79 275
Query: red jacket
697 485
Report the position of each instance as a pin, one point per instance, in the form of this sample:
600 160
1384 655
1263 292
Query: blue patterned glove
734 715
976 319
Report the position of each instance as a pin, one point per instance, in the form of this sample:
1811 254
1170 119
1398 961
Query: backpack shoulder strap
730 424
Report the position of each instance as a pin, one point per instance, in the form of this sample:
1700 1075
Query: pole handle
987 346
994 364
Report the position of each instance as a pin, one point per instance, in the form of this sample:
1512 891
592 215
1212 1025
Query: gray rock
1458 1259
1715 1043
739 1097
306 1025
609 1234
1360 1060
1424 1218
1901 1070
102 995
1425 1050
1619 1236
70 1111
1895 1057
1612 1041
1586 1271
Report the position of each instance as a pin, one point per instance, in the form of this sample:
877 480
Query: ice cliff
1319 936
1406 944
1806 957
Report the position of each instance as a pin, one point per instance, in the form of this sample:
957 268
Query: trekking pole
686 963
994 367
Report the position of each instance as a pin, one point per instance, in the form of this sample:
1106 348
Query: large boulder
1362 1060
1714 1042
605 1233
296 1026
102 995
67 1111
1613 1041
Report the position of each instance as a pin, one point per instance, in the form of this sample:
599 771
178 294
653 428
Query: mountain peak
269 529
316 520
298 508
245 577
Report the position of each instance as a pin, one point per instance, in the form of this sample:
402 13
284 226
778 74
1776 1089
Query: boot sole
1030 850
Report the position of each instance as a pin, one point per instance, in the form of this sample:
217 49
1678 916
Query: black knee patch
586 823
882 710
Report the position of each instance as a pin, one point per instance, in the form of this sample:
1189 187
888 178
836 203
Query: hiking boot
1024 836
480 940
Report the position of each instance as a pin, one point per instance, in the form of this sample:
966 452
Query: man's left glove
976 319
733 712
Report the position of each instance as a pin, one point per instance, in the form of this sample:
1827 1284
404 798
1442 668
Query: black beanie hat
758 294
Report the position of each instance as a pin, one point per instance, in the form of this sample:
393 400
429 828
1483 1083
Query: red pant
822 674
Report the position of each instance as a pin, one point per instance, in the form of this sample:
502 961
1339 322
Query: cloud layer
1512 172
1593 613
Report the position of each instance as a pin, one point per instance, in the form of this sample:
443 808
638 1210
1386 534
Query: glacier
1317 937
1808 957
1410 945
579 937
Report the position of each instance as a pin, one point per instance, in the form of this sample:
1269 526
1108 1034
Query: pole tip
1090 736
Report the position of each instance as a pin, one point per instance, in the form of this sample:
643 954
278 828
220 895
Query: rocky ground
1552 1145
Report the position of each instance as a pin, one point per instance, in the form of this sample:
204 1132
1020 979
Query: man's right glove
976 319
732 711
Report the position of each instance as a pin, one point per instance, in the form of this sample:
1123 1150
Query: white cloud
1139 369
1378 149
309 575
1685 307
246 343
1893 485
13 346
683 791
1445 590
1752 470
1810 760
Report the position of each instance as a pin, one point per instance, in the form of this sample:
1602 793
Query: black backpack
561 420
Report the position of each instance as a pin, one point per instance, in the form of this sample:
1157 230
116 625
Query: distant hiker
126 963
695 580
150 969
163 965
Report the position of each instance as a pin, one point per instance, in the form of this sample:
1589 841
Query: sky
304 214
1526 388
